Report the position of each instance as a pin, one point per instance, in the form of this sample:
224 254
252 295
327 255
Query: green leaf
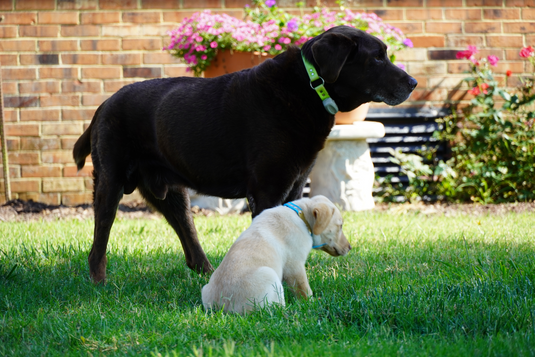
505 95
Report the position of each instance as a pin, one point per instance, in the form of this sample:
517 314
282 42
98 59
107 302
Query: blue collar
301 215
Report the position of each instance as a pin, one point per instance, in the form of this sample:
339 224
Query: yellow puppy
274 249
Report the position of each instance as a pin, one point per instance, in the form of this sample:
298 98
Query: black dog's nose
412 83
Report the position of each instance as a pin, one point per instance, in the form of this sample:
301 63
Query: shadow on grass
160 281
149 278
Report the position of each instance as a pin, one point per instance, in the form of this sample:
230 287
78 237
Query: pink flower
278 47
213 44
267 47
484 87
285 40
468 54
474 91
462 54
493 60
473 49
204 57
407 42
292 25
527 52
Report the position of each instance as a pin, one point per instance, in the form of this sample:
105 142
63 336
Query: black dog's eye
379 59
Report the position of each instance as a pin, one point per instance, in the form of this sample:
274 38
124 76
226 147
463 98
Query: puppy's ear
330 53
323 214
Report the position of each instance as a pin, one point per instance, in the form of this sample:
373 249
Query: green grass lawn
413 285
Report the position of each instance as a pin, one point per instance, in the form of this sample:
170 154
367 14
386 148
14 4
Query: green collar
328 102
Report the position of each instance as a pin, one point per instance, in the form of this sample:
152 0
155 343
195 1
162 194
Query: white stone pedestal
344 170
220 205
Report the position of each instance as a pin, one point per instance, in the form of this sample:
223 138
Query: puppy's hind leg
276 293
176 210
266 287
107 194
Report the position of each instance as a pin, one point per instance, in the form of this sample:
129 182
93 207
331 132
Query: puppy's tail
82 148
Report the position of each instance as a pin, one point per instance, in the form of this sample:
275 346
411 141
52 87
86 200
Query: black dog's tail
82 148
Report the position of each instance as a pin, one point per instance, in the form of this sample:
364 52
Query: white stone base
344 170
344 174
220 205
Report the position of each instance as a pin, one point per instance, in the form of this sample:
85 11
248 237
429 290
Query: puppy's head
356 68
327 223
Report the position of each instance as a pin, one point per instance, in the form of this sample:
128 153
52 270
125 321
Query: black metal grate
409 129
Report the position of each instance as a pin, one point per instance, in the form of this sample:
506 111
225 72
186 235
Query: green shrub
429 178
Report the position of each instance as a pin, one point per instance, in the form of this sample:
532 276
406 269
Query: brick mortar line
102 37
166 11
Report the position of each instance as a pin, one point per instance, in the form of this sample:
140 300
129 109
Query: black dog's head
356 68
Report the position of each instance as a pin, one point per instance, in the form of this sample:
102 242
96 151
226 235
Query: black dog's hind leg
107 194
176 210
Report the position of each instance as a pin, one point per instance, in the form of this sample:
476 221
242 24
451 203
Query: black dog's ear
330 53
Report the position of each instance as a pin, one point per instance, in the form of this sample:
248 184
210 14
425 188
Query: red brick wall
61 58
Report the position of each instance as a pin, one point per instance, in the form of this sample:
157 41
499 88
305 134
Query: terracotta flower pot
228 62
358 114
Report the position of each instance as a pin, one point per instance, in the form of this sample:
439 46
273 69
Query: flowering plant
492 143
484 87
269 29
483 78
493 138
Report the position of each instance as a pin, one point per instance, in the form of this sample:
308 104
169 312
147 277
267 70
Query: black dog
254 133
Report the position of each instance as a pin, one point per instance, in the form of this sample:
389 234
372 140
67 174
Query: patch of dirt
457 208
19 210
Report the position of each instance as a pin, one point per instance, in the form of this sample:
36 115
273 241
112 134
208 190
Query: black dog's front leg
267 195
297 190
262 200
